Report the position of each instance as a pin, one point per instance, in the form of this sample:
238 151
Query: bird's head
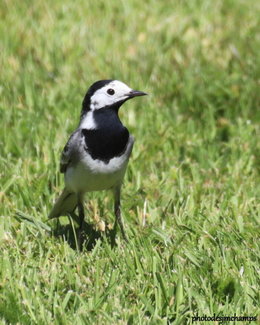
108 94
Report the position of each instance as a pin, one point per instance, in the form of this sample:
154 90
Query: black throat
109 139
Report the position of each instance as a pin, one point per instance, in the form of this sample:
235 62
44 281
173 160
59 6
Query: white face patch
88 122
102 98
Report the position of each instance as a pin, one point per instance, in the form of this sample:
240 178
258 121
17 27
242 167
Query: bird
96 154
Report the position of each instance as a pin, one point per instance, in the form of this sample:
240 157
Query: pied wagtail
97 153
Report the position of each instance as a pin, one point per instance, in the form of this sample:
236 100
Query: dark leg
118 213
81 215
81 221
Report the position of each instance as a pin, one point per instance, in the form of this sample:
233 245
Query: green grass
192 188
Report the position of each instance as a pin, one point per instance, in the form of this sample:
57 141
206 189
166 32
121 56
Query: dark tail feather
65 204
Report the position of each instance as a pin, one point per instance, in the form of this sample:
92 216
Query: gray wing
70 152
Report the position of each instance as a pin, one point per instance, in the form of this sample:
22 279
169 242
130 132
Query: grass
191 192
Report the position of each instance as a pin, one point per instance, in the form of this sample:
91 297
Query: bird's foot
81 238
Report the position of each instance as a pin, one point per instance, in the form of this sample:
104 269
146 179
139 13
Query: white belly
94 175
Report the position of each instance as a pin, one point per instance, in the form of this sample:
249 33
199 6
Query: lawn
191 193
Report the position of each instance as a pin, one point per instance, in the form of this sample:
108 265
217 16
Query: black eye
110 91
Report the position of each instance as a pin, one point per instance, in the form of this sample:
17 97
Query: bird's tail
65 204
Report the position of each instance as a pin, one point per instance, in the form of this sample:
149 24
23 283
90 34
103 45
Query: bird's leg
118 213
81 221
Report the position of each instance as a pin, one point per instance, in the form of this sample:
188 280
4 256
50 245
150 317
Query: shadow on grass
89 235
69 232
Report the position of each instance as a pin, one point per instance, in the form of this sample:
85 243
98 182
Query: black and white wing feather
70 152
67 201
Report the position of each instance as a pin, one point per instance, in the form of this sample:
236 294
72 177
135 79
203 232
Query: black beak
135 93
